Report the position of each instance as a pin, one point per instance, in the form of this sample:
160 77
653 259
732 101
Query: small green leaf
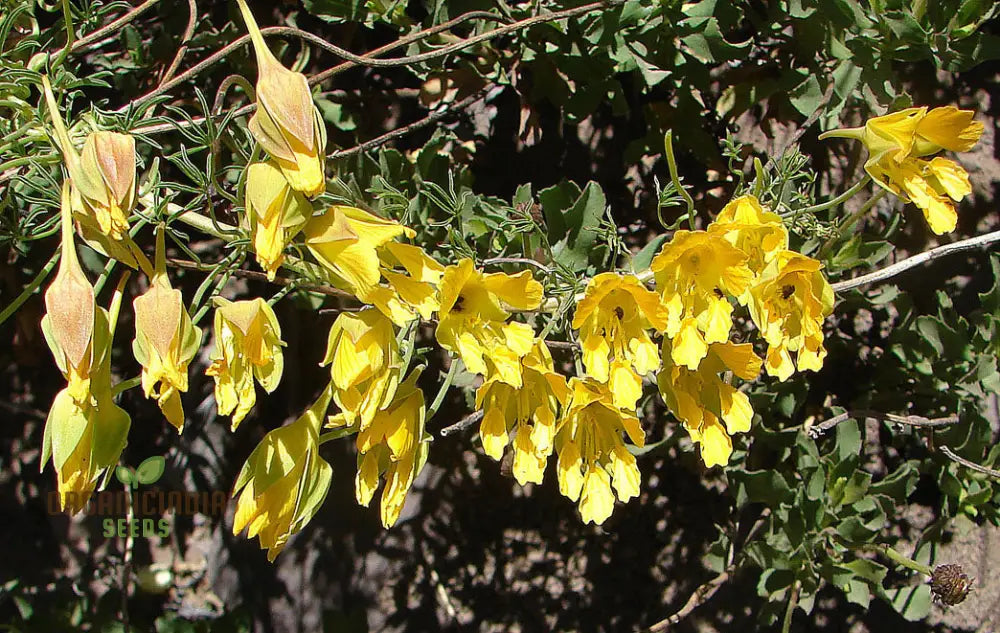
125 475
151 469
913 603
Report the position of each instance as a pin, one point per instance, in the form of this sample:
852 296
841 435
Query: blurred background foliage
543 142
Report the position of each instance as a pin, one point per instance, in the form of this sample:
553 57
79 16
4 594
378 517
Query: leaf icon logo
127 476
150 470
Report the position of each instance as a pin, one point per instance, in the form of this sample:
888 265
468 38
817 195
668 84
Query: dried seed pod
950 585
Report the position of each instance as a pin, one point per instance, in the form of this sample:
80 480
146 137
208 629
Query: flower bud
276 213
165 341
950 585
103 176
287 124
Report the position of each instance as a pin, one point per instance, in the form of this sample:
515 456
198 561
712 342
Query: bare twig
185 38
406 129
517 260
461 425
861 414
110 27
259 276
950 454
972 243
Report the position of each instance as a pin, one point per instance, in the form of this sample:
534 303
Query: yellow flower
276 213
247 346
283 482
614 319
103 176
592 453
710 409
530 411
929 185
745 224
84 440
345 240
411 294
472 319
364 364
165 341
287 124
694 272
788 305
394 445
896 143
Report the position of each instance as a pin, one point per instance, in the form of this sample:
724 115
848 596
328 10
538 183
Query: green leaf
151 469
762 486
848 440
582 221
125 475
913 603
807 96
642 259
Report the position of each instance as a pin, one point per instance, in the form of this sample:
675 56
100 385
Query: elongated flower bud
103 176
276 213
165 341
68 324
287 124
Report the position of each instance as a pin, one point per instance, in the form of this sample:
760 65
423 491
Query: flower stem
823 206
668 146
445 386
898 558
30 289
849 223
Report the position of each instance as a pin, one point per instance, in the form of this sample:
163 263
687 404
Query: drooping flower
84 441
758 233
593 458
247 346
346 241
165 341
276 213
287 123
711 409
694 272
529 411
898 142
411 294
472 319
395 446
103 176
364 364
788 306
614 318
284 481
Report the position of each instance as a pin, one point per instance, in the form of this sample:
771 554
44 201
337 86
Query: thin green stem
206 225
283 292
668 145
793 601
829 204
898 558
31 287
337 434
70 37
445 386
125 385
849 223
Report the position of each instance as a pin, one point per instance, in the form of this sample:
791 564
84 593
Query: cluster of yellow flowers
700 278
899 144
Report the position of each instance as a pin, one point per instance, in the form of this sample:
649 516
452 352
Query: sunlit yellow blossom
284 481
529 411
165 341
103 175
711 409
364 364
759 233
287 124
472 319
346 240
247 346
898 141
694 272
788 305
411 294
614 319
394 445
276 213
593 457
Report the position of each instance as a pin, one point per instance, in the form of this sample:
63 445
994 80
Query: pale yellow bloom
472 319
395 445
593 458
283 482
529 412
247 346
276 213
757 232
411 292
788 306
614 319
694 273
711 409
